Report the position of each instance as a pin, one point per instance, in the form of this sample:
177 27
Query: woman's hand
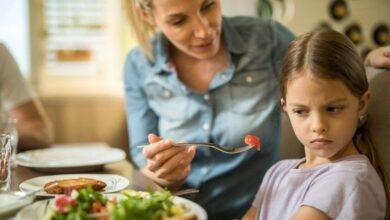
167 165
379 58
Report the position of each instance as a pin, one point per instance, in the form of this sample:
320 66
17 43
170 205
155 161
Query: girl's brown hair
142 30
330 55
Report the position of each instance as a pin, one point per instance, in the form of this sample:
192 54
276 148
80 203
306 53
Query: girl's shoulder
350 175
356 165
341 188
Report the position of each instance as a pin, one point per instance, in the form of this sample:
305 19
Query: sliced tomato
62 202
96 207
253 141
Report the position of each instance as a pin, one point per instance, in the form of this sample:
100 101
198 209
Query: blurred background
73 51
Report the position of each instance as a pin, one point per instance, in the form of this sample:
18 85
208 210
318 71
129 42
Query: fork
224 149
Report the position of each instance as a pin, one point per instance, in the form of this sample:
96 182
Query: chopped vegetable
253 141
78 206
135 205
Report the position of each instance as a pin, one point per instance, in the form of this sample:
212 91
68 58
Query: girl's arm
250 214
308 213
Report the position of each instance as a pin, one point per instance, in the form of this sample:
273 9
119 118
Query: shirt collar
160 45
233 40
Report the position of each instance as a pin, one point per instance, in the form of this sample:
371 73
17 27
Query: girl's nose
318 124
201 28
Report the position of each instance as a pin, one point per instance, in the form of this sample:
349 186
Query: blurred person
20 102
379 58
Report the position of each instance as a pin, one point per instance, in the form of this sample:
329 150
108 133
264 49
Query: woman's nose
201 28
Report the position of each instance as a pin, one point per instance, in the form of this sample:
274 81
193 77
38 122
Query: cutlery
23 195
185 192
218 147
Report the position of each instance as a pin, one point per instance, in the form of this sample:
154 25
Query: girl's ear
364 101
283 104
145 15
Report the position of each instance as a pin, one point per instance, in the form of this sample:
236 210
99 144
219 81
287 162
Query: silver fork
234 150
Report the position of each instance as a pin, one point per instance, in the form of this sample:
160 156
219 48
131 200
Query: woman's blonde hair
331 55
142 30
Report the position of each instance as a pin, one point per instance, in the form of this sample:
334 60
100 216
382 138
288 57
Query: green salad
89 204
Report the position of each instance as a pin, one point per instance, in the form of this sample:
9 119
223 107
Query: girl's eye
178 21
334 109
208 5
299 112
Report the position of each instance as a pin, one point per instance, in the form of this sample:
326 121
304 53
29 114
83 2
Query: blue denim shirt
243 99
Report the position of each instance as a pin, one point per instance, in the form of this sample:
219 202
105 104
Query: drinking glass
5 163
8 126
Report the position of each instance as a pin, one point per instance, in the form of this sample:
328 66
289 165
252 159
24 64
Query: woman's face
324 114
192 26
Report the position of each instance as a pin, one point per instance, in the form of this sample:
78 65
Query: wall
88 119
308 13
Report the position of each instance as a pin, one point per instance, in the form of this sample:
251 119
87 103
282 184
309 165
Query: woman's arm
160 160
250 214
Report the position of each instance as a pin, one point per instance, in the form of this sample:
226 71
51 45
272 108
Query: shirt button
207 153
249 79
204 170
206 126
206 97
167 94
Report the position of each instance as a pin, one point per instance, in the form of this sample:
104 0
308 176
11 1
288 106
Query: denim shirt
242 99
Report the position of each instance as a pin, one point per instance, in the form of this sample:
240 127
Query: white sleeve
14 90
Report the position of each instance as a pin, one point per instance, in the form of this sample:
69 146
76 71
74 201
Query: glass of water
8 126
5 162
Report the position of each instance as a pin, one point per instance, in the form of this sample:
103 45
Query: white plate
10 203
70 158
37 210
114 183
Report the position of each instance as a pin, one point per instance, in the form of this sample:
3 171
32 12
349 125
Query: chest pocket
166 103
252 91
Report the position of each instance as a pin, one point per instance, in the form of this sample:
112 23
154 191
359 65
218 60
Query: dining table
137 181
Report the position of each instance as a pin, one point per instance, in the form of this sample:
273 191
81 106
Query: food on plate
253 141
90 204
65 186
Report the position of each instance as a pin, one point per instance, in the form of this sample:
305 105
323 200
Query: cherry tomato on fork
253 141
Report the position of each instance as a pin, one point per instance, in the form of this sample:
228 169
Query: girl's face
192 26
324 115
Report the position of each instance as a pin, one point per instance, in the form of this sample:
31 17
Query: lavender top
349 188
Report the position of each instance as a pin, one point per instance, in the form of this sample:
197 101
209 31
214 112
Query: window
14 31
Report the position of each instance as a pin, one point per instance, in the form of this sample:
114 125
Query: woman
203 78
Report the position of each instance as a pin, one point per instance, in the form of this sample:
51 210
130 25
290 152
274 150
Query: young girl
325 94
